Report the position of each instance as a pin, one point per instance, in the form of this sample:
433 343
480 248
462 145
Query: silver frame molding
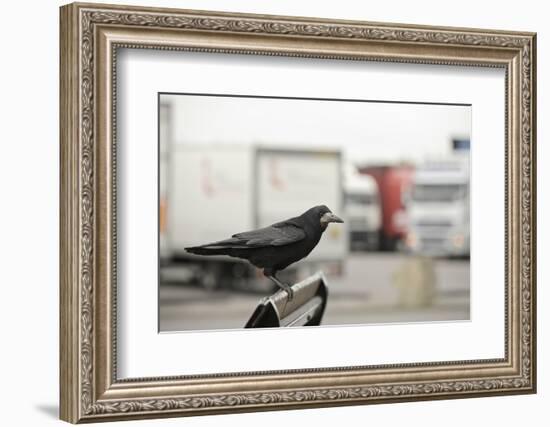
90 37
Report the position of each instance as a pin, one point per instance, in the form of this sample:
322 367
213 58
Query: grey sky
365 131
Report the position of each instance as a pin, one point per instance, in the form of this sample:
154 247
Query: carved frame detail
82 399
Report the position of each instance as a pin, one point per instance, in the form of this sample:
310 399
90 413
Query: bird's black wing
279 234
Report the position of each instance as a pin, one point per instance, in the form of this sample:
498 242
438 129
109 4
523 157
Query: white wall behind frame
29 171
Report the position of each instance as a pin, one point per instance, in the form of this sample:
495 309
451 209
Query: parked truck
215 190
393 182
363 211
439 209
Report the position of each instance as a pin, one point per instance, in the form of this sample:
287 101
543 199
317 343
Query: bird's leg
280 284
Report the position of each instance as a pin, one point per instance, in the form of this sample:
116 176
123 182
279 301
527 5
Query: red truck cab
394 183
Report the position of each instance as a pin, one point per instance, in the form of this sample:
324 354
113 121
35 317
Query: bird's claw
287 288
290 293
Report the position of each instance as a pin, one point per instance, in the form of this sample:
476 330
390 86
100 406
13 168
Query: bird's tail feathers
223 247
206 250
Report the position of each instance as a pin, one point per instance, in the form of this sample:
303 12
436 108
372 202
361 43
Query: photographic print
303 212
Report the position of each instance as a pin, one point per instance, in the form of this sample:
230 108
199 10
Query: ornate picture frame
90 37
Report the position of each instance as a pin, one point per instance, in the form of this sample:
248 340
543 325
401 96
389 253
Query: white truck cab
439 209
363 210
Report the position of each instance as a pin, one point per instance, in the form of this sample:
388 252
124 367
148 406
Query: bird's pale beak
330 217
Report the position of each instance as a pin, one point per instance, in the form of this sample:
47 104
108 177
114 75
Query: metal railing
305 309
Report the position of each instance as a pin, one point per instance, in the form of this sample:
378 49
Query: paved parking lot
375 288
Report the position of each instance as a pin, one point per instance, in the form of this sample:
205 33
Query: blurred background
397 173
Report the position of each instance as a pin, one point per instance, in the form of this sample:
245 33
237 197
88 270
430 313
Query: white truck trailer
212 191
439 209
